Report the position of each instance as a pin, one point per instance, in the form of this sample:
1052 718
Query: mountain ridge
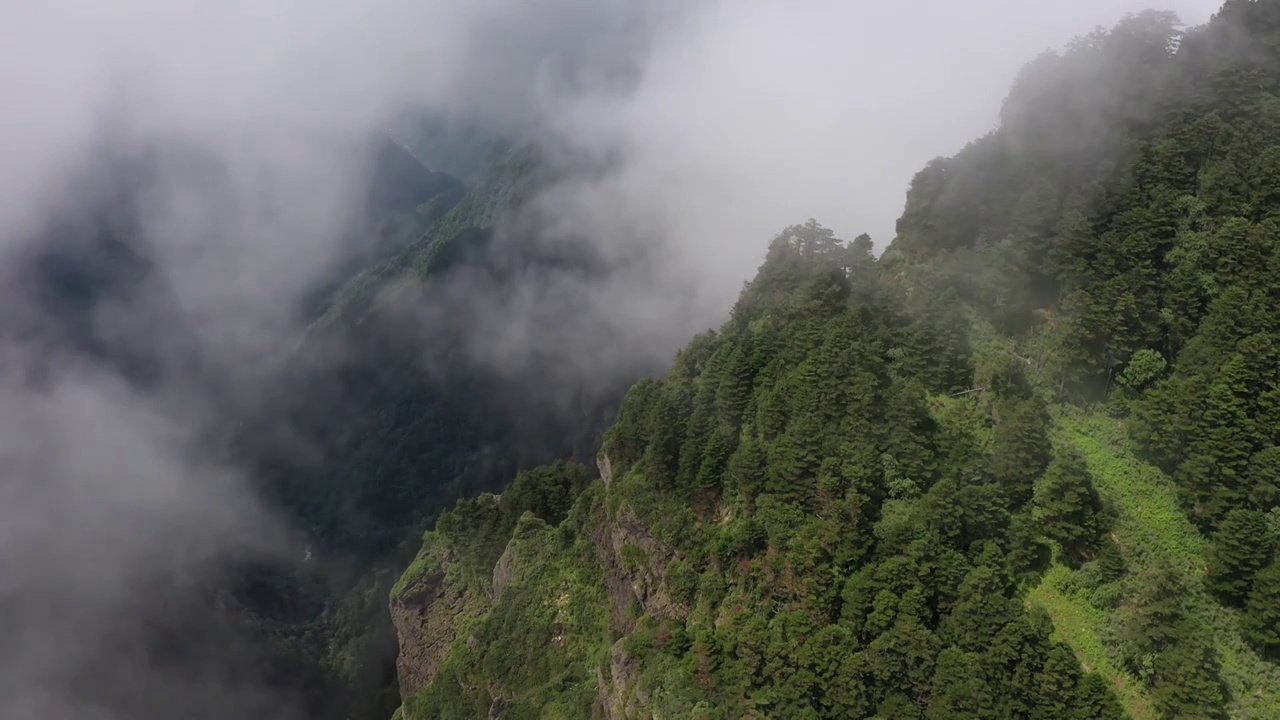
837 504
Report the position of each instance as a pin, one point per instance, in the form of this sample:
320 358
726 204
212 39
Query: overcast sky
795 108
947 66
785 110
755 114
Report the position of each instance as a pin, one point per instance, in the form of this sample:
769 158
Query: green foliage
827 507
1144 368
984 608
794 528
1156 249
535 641
1261 620
1242 545
1150 534
1068 505
1020 447
1081 625
474 534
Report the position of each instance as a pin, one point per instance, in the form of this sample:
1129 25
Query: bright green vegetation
476 530
525 600
1081 625
1151 530
1145 499
1024 465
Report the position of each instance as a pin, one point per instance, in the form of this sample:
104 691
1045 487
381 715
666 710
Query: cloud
756 114
733 118
740 118
110 515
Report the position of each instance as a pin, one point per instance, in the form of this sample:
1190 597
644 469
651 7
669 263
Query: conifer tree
1068 505
1020 449
982 608
1261 619
1241 547
957 692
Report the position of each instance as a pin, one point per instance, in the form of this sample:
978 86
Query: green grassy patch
1150 526
1150 517
417 569
1079 624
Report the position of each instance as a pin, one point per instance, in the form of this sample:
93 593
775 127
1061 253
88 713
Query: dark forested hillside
405 198
391 407
93 294
1023 465
401 415
384 412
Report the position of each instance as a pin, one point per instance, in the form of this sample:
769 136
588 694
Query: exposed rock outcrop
426 616
421 650
619 698
442 594
605 466
503 572
635 565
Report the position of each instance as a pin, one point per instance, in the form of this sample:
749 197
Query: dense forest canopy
1022 465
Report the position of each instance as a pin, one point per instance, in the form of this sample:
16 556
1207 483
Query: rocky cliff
578 589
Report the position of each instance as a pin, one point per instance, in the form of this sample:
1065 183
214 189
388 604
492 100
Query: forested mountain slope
389 386
1023 465
799 521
